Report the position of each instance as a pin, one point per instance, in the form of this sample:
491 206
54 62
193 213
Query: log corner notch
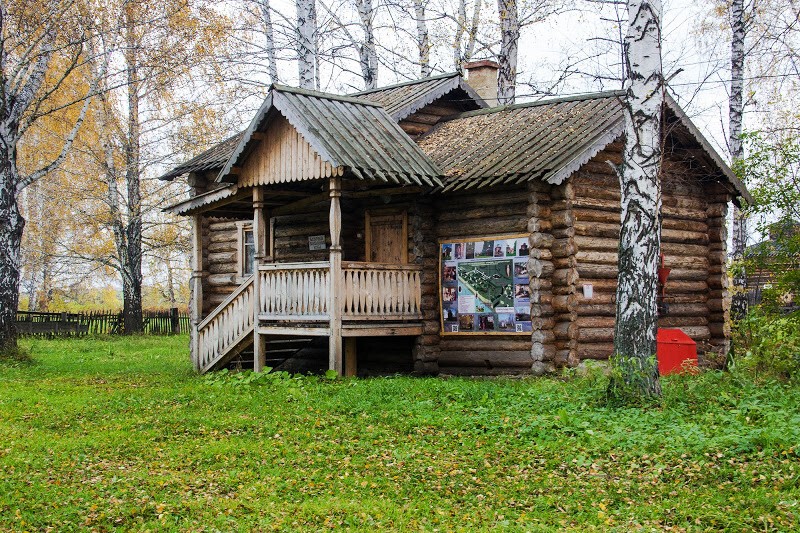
540 274
425 253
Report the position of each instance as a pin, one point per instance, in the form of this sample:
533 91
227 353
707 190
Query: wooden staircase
226 331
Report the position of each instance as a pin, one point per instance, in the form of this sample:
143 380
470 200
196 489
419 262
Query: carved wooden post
334 305
196 286
259 242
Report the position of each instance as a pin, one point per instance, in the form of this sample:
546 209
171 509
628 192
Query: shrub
768 345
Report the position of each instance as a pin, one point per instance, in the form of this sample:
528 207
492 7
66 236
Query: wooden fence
98 323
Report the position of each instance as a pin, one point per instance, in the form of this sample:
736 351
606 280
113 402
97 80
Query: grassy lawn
120 433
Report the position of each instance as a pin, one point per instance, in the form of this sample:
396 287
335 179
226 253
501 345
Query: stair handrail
231 297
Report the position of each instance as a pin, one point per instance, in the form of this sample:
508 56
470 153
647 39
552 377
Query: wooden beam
350 357
294 207
368 193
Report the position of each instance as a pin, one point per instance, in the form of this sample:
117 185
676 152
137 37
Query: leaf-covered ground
120 433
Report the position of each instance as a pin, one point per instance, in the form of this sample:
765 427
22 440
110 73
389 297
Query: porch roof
352 135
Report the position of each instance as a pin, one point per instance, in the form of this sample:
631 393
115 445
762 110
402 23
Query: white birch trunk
269 37
423 40
509 45
367 51
735 111
307 43
461 22
636 372
473 31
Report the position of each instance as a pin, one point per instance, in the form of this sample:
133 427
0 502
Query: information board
485 285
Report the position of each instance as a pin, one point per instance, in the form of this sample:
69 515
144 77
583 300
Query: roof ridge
406 83
323 95
549 101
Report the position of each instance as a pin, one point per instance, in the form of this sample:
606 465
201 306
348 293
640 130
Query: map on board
485 286
489 281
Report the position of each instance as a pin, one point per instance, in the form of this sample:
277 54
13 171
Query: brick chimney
482 76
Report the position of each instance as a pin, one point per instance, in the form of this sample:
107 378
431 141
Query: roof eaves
246 137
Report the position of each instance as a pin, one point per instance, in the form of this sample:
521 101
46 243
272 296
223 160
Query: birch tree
635 376
423 39
41 46
509 48
307 59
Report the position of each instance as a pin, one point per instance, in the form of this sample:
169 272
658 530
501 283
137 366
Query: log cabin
414 228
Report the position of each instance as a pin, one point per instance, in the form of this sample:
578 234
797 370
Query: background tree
635 376
41 46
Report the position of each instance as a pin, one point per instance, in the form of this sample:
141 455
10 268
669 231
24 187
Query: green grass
120 433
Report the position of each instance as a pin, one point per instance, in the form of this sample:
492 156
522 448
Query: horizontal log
539 225
485 211
589 270
595 322
231 258
543 336
697 333
688 309
221 246
597 351
595 257
592 309
226 226
594 215
222 268
483 371
486 359
539 210
223 236
596 334
218 280
688 274
564 303
562 219
474 228
456 201
500 343
681 321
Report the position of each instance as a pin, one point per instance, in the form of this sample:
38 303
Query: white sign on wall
316 242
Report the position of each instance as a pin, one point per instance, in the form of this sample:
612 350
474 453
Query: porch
312 299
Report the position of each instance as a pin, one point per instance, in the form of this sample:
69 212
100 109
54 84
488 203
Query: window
247 250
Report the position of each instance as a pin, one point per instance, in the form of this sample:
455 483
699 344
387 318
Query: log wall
477 214
692 242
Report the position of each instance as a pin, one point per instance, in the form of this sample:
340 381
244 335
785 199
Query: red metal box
676 352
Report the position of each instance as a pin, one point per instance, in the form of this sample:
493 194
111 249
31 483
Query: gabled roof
546 140
403 99
356 135
211 159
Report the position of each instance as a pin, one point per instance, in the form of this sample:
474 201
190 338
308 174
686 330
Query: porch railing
377 291
295 291
369 291
226 326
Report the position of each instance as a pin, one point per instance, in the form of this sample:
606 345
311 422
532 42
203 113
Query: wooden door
387 237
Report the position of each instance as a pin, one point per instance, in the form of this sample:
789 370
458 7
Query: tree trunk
368 54
461 22
735 111
11 226
269 35
635 377
132 260
473 30
307 43
509 44
423 40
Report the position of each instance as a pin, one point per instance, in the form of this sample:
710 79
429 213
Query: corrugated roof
211 159
346 132
545 140
402 99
